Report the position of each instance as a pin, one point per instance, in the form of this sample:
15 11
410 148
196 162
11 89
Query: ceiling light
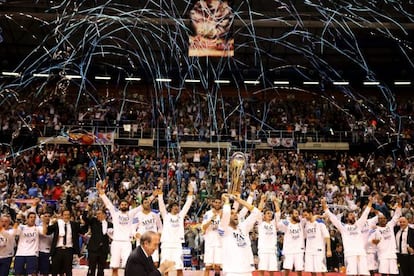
222 81
340 83
251 82
73 77
281 82
102 77
192 81
10 74
402 82
132 79
41 75
371 83
311 83
163 80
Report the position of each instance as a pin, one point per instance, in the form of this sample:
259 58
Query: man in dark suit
404 236
65 243
98 245
140 260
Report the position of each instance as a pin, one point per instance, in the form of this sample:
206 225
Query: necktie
400 242
66 232
150 260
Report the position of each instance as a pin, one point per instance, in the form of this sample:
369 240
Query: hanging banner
277 142
273 142
211 24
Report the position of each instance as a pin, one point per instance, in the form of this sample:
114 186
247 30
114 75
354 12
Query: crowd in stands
65 176
197 118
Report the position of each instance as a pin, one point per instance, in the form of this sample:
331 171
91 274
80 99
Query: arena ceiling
48 48
299 40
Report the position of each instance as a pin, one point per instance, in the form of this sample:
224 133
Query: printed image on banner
211 22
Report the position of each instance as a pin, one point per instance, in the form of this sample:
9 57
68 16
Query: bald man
140 261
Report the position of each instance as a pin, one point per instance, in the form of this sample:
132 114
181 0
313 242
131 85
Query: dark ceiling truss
277 35
275 40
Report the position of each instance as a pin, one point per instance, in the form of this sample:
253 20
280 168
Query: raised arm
397 214
33 209
254 215
188 202
161 204
108 204
276 203
262 202
158 222
364 217
244 210
335 221
51 228
207 220
225 219
135 210
244 203
279 223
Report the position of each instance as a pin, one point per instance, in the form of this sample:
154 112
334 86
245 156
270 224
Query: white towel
104 227
61 225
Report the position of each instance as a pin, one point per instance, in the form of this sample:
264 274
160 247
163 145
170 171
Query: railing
132 131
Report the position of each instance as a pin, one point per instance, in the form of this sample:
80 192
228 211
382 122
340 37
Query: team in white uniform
147 220
172 236
318 244
267 241
384 239
26 262
122 218
7 244
237 251
227 240
212 240
353 239
293 242
367 232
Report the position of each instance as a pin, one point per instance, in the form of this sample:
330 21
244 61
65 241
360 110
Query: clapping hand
166 266
100 187
190 189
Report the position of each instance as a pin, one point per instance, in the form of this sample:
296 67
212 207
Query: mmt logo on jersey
240 239
123 220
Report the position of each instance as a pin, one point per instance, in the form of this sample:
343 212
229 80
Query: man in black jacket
140 260
404 235
98 245
65 243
